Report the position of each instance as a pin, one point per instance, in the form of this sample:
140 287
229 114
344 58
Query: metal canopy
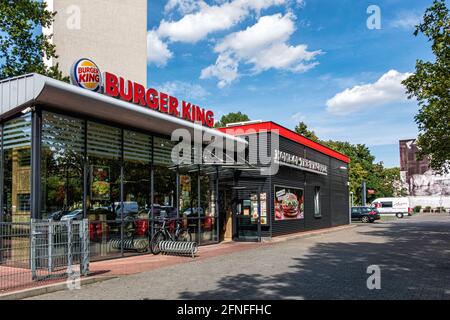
16 94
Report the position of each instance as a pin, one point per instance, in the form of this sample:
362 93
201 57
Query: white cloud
207 19
225 69
406 20
184 90
386 89
264 46
157 51
183 6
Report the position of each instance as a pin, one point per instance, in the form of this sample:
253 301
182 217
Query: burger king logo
86 74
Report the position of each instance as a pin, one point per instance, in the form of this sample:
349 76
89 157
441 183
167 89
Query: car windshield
75 212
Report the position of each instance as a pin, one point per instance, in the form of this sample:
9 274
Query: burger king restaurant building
101 149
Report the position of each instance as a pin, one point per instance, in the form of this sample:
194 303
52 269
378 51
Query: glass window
62 165
317 201
137 185
104 145
17 169
164 178
386 204
23 201
208 204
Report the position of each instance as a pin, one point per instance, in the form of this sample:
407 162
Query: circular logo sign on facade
86 74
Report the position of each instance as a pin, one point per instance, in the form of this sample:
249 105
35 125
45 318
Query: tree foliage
430 85
385 181
231 118
302 129
23 47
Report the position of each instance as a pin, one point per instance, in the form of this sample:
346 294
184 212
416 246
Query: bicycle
163 234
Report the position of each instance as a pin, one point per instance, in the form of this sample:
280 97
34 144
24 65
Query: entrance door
247 212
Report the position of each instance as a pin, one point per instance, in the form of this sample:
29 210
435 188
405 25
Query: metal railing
42 251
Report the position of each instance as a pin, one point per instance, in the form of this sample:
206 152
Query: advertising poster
254 218
263 202
289 203
100 186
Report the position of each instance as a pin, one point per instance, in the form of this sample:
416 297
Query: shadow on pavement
413 257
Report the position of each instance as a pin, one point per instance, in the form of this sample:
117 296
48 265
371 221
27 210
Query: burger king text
136 93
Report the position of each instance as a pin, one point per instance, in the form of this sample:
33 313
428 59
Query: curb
308 234
32 292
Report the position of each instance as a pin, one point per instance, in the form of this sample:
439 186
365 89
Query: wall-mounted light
27 110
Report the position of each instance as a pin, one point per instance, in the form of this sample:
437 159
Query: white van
393 206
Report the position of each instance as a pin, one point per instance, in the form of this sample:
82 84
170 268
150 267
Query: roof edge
271 126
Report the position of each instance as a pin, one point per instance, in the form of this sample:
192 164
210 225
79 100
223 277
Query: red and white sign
86 74
136 93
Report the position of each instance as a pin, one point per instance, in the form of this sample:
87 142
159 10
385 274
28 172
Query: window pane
165 178
17 169
163 151
317 201
386 204
103 201
208 205
62 165
104 141
136 184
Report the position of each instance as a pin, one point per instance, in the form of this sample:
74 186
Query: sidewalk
104 270
138 264
143 263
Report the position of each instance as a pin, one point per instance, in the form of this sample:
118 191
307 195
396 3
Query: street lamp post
350 208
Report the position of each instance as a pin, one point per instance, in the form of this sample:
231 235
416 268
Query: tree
231 118
23 49
385 181
430 85
302 129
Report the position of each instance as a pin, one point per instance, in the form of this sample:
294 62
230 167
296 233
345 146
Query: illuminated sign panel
287 159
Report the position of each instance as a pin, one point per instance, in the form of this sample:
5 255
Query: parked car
57 215
365 214
194 212
73 215
398 207
162 211
129 208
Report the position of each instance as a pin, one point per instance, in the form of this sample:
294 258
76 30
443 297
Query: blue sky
289 60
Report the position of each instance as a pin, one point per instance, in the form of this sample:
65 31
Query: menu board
100 183
289 203
262 206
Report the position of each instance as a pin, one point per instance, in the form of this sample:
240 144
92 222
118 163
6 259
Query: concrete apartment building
113 33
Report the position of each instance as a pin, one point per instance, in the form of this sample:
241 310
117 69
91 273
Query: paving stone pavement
412 253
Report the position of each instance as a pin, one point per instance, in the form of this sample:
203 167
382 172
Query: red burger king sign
86 74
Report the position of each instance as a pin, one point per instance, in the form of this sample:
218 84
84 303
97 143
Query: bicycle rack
179 247
129 244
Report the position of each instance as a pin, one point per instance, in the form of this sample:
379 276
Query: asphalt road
413 255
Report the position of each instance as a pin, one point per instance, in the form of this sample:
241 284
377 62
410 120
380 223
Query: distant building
417 177
113 33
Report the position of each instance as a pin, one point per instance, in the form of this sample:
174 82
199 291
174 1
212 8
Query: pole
363 195
350 208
